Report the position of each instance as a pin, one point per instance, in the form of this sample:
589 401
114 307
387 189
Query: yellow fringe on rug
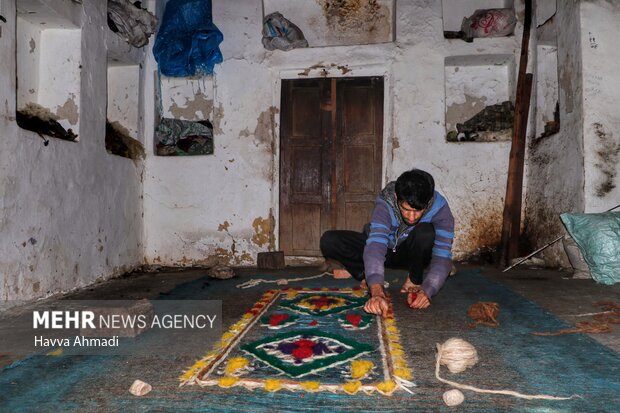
386 387
311 386
360 368
235 364
272 385
351 387
403 373
227 381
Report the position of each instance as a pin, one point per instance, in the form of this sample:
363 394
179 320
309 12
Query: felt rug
312 340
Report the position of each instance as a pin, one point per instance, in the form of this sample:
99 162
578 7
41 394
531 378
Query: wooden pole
514 186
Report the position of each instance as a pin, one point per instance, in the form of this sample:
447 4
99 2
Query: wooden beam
511 224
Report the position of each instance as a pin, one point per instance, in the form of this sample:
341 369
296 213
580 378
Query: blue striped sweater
387 230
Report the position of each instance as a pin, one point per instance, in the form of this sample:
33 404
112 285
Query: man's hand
417 298
377 304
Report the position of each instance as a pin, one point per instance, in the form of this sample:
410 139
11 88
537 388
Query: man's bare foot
330 265
408 286
341 273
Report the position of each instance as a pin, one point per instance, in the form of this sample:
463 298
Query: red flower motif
277 319
305 343
302 352
314 322
304 349
354 319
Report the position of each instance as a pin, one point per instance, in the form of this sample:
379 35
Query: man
411 226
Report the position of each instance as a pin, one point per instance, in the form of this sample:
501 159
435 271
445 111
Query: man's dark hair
416 187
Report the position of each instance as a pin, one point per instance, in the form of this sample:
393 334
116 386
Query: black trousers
347 247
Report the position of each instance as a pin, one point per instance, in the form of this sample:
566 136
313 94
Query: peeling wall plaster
263 231
68 111
198 107
338 22
367 20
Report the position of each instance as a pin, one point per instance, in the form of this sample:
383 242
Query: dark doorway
330 158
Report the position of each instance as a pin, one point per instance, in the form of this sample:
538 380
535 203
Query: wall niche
454 11
123 125
338 23
547 86
185 107
479 93
48 55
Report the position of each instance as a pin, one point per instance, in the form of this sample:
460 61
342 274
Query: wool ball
453 397
457 355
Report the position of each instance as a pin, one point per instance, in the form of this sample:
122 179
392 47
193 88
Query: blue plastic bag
187 43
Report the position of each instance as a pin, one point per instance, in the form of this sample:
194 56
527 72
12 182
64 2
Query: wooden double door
330 158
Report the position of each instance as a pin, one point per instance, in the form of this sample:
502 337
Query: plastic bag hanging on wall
485 23
279 33
187 43
489 23
176 137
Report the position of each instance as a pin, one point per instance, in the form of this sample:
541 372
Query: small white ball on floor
453 397
140 388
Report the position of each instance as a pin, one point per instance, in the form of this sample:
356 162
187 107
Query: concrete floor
571 300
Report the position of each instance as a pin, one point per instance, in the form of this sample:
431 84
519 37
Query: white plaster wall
544 9
555 164
601 88
123 97
28 38
70 214
204 209
60 74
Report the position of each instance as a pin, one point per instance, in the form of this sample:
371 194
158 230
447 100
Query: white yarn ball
457 355
453 397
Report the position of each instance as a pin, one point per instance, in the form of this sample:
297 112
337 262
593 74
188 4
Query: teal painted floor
510 358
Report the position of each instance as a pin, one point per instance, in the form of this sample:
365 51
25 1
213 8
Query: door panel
306 112
330 159
357 107
306 170
358 214
306 220
359 146
304 165
358 166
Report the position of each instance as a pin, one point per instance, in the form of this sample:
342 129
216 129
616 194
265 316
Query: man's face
410 215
